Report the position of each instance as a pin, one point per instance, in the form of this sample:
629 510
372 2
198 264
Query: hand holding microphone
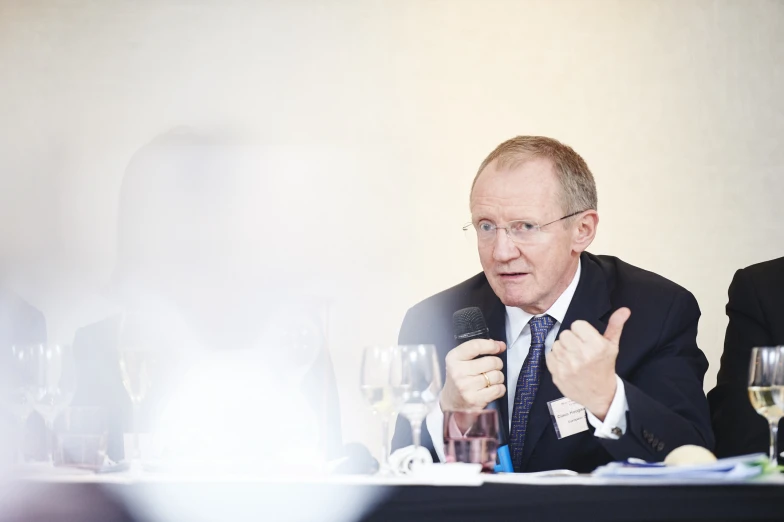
474 375
473 381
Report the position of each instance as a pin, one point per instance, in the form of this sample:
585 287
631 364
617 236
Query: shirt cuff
434 422
614 425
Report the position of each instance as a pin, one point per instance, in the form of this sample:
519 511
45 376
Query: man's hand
465 387
582 363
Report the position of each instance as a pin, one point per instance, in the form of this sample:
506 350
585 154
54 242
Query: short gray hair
578 187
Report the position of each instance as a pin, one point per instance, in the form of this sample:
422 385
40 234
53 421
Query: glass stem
20 440
136 457
774 442
49 441
384 464
416 432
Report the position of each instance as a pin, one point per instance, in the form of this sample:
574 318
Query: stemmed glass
14 396
766 389
51 386
416 382
375 386
137 363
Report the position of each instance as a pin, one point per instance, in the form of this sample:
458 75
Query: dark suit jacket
100 384
659 361
756 313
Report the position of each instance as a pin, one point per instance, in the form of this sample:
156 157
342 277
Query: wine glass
51 386
766 386
375 386
13 396
137 362
416 383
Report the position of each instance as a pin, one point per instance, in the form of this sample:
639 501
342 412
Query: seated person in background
20 325
182 290
614 338
756 313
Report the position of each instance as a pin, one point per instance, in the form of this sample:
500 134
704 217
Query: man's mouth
511 276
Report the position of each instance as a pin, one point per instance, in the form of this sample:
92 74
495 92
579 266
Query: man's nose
504 249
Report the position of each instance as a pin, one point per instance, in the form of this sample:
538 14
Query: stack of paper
730 469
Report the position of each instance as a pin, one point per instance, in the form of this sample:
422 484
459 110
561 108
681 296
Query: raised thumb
615 325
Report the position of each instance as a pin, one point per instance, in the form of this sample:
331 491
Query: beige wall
390 106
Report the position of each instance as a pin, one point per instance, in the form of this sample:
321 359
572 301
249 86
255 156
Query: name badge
568 417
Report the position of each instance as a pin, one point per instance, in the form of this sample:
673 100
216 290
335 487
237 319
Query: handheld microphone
469 324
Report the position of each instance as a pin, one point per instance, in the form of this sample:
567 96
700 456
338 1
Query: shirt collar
517 318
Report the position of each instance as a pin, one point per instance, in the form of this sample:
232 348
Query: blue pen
504 460
503 457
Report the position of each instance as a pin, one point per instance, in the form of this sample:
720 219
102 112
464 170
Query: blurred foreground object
220 353
689 454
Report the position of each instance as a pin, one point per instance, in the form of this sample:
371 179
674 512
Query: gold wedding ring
487 380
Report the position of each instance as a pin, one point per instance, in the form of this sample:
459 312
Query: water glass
15 380
82 438
51 386
471 437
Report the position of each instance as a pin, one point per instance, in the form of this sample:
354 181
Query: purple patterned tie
527 386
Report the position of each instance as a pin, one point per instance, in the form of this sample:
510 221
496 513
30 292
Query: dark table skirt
234 501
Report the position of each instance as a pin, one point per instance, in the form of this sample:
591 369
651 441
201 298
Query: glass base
135 467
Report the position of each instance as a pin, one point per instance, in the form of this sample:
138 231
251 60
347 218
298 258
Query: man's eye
484 226
523 226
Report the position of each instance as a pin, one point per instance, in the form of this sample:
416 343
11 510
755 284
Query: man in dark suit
564 325
756 313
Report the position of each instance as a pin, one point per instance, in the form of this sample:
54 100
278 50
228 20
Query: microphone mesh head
469 323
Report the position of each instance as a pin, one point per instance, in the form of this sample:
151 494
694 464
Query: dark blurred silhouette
181 282
756 313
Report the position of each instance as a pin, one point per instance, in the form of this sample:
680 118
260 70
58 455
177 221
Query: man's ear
584 230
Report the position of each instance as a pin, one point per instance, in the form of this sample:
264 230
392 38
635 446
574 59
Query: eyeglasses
520 231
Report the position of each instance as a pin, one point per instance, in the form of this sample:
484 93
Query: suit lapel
591 302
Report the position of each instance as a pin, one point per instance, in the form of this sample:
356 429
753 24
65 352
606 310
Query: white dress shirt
518 335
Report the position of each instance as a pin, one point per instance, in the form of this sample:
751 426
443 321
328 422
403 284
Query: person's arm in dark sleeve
739 429
667 405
